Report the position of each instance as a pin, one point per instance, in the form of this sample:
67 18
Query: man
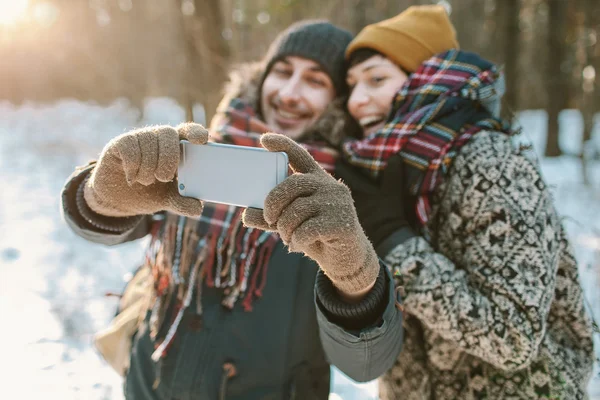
231 311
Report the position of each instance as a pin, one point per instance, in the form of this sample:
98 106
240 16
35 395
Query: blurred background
75 73
102 50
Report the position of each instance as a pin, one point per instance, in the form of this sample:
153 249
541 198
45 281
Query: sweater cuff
398 237
103 222
353 316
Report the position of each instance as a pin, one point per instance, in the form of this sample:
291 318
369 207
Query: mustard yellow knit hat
409 38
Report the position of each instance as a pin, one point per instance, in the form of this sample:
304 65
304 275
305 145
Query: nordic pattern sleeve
489 283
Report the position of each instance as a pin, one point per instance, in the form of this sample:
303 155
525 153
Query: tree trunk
359 15
208 56
588 82
556 82
215 53
512 50
508 32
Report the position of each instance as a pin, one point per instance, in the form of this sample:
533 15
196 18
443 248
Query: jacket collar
334 125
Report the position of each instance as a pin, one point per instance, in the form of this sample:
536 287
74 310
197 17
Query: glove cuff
111 224
352 316
353 280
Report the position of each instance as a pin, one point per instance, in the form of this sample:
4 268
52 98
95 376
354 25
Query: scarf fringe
225 254
183 260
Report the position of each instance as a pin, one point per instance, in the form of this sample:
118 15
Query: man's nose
290 92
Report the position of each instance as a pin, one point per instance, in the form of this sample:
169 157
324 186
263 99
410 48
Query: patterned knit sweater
493 304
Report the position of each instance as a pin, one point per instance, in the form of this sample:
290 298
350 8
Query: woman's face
373 84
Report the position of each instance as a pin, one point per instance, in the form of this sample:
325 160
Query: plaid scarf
216 250
435 113
242 127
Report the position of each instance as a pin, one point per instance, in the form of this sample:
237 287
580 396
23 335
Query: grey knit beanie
316 40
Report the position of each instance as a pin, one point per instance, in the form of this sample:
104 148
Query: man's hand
136 171
314 214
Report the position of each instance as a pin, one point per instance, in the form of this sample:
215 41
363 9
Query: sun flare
12 10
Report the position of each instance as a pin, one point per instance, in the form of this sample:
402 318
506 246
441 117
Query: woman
489 284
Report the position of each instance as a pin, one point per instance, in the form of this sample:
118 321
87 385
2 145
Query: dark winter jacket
275 350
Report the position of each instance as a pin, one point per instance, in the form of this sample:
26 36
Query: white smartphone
237 175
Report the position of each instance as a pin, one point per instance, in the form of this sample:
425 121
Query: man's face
294 95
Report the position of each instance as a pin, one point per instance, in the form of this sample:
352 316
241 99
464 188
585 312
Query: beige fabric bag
114 342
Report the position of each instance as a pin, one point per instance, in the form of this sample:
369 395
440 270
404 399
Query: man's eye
282 71
317 81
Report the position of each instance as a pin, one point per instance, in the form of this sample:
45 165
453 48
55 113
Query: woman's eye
378 79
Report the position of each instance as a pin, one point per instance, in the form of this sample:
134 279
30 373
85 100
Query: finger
298 212
168 155
300 160
253 218
193 133
148 142
129 151
282 195
306 236
186 206
335 218
315 233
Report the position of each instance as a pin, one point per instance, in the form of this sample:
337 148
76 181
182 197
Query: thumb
300 160
255 218
186 206
192 132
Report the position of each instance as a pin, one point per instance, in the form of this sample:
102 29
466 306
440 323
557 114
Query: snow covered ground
52 283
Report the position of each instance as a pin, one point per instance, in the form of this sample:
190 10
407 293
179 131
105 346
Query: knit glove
135 173
380 208
314 214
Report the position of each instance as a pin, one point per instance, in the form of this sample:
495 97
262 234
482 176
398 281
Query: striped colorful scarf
215 250
433 115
